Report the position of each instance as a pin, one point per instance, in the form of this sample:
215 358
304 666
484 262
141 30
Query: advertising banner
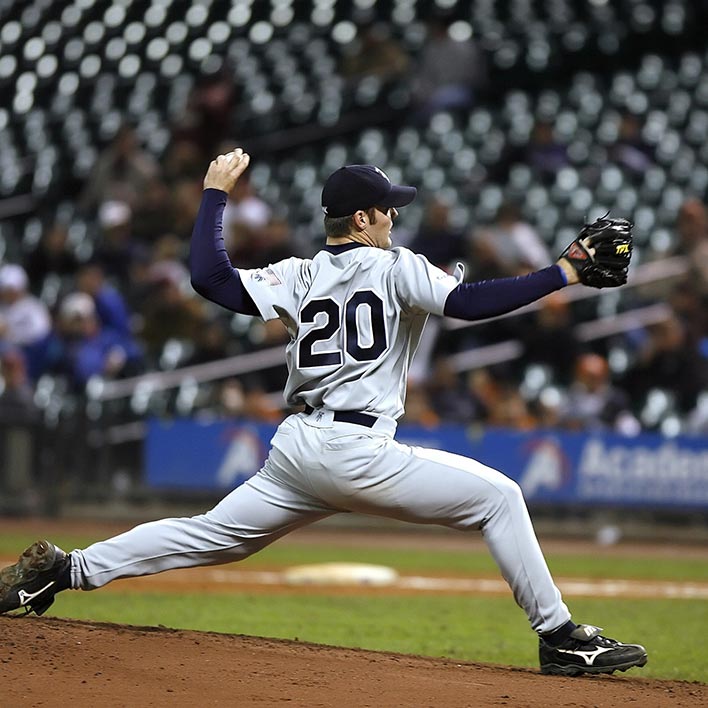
552 467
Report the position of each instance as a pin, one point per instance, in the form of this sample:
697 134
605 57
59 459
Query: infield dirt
52 662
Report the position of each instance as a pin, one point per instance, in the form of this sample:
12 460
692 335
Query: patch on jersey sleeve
266 275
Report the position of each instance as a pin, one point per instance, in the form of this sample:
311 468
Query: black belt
350 417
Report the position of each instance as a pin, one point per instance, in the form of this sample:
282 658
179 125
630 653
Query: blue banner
552 467
218 455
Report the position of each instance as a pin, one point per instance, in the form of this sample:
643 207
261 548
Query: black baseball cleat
32 581
585 651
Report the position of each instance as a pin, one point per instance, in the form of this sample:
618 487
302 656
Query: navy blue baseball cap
355 187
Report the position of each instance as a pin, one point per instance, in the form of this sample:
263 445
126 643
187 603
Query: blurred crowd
126 305
652 375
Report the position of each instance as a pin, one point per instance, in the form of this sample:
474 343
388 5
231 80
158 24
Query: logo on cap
382 173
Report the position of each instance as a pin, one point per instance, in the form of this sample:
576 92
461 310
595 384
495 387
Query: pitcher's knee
229 542
501 500
510 494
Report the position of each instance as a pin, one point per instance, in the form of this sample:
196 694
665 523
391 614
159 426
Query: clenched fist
224 171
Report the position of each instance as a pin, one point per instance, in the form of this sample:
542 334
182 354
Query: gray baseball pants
318 467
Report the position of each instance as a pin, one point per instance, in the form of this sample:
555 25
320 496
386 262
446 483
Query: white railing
587 331
199 373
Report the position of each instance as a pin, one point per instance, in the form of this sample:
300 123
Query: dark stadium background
561 111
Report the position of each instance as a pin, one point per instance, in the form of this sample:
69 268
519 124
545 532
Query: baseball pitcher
355 313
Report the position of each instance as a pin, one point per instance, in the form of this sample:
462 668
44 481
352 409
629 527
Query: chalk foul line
588 587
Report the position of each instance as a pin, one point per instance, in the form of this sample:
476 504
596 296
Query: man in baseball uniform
355 313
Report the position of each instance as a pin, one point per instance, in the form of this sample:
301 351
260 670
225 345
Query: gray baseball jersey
355 318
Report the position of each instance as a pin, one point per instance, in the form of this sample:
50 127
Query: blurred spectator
230 398
82 348
169 313
692 231
448 396
510 246
374 52
17 397
256 244
169 254
593 402
509 409
110 305
140 286
552 322
484 390
163 260
543 153
25 321
451 73
52 255
258 405
183 160
497 398
271 333
267 335
245 219
24 318
153 215
209 115
419 410
116 249
21 435
211 343
692 225
186 198
547 408
630 150
276 243
121 173
691 307
440 242
668 360
234 401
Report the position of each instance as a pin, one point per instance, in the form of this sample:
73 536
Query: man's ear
360 219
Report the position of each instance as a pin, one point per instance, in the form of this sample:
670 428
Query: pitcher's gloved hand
601 253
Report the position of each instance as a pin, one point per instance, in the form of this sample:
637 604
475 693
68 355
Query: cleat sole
558 670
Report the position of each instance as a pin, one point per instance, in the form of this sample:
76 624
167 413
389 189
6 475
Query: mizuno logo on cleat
26 597
588 656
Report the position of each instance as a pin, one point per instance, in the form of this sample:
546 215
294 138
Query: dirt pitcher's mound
52 662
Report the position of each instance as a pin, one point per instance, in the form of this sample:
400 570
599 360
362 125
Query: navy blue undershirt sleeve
212 274
490 298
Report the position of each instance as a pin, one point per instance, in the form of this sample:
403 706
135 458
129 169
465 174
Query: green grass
474 628
486 629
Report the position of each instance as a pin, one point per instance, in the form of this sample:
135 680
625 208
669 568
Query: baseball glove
601 252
